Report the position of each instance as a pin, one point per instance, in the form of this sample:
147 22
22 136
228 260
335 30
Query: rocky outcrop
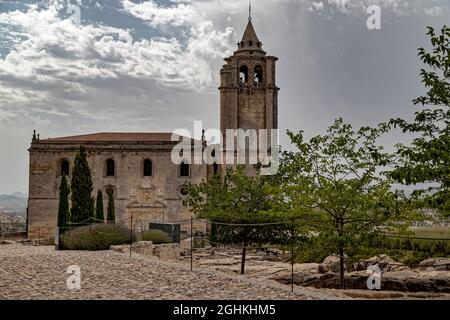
404 281
185 246
332 264
167 251
26 242
147 248
4 242
385 263
438 264
141 247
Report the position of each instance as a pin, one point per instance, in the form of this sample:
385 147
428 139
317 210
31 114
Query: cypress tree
99 213
63 208
81 187
111 215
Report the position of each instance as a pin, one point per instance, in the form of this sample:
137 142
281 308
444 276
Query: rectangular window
148 168
110 168
184 170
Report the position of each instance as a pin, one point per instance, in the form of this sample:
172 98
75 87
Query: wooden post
131 234
244 253
192 242
341 267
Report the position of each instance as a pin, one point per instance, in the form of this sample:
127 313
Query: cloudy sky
80 66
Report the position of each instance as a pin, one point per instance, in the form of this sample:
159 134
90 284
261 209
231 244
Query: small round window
184 190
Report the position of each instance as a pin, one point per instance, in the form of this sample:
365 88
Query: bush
95 237
156 236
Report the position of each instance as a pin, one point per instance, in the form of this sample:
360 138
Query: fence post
57 238
292 256
131 234
192 242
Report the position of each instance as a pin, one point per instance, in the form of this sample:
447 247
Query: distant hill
19 195
15 203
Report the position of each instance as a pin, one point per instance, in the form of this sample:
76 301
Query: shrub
156 236
95 237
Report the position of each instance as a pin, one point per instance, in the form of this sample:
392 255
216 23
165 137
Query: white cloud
342 5
181 14
317 6
58 61
65 51
398 7
435 11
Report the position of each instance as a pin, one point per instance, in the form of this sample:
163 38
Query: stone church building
147 184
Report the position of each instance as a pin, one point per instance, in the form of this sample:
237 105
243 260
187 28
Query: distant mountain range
15 203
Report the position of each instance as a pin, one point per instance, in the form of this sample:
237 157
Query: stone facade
147 198
248 100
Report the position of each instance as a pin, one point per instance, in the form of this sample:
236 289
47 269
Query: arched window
65 168
184 170
148 168
110 168
250 43
243 74
258 75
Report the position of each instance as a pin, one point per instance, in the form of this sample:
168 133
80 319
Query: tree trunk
244 251
341 266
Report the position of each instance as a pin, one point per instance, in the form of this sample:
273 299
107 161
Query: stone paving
32 272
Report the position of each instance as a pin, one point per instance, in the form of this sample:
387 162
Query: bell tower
248 91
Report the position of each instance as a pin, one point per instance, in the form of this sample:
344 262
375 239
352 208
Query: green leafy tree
426 161
110 210
234 200
81 187
99 212
63 208
332 183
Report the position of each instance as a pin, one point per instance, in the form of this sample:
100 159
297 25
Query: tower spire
250 41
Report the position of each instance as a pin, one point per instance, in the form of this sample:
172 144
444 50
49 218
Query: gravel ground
31 272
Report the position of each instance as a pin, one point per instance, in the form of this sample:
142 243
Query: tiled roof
114 137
